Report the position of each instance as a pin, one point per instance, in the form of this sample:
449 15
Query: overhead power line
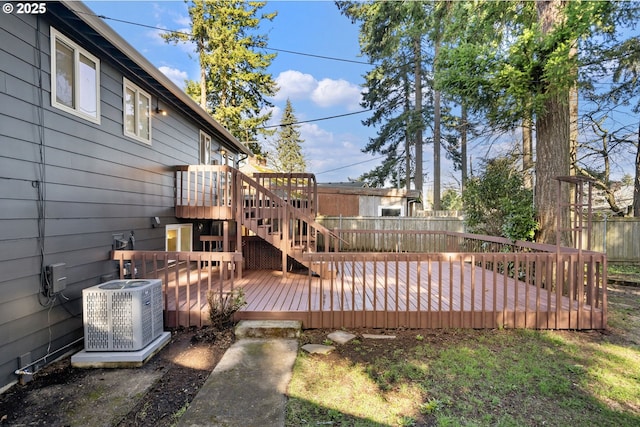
104 17
187 34
314 120
353 61
352 164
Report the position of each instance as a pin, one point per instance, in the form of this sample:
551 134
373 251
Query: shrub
222 307
496 203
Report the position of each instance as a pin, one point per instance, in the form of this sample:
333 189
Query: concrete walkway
248 386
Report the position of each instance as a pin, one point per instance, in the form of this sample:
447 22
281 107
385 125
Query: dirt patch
155 394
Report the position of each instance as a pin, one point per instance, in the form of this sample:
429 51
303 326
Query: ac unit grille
122 315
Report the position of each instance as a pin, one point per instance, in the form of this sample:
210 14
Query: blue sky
317 87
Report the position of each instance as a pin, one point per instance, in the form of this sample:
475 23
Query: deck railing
187 279
207 191
361 240
263 208
552 287
279 208
204 192
457 280
461 290
300 189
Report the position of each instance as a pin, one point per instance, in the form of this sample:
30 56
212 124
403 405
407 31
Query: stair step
268 329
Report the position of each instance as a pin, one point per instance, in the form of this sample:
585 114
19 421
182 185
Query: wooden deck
538 290
395 293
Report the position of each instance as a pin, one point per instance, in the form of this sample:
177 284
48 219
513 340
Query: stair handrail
291 212
287 179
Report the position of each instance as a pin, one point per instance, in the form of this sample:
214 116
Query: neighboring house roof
129 59
252 167
349 184
356 188
623 195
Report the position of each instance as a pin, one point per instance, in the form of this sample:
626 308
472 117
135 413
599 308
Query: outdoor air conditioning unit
122 315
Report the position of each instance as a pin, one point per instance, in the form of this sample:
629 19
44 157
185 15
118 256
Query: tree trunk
436 128
552 161
463 144
203 76
407 135
418 107
573 135
636 184
436 150
527 151
552 147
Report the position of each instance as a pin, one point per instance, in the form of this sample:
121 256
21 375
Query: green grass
624 269
479 378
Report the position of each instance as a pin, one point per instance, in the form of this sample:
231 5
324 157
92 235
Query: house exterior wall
349 201
74 183
338 204
369 205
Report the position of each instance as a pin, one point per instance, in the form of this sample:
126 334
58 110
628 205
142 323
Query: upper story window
137 112
205 149
75 78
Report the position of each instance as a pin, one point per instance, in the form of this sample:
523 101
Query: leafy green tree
516 62
289 157
497 203
234 84
451 200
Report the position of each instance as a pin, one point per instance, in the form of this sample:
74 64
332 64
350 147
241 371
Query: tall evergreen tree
390 89
234 84
399 37
289 157
514 61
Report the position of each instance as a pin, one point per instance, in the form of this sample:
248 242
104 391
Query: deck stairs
283 220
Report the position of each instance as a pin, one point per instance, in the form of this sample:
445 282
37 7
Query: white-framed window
205 149
75 78
137 112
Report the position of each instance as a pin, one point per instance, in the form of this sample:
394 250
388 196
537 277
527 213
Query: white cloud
331 92
333 157
184 21
294 85
176 76
314 132
155 37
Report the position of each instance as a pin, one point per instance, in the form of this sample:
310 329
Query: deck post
284 245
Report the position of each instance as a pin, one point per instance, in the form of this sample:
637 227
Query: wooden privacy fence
187 279
618 237
459 290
